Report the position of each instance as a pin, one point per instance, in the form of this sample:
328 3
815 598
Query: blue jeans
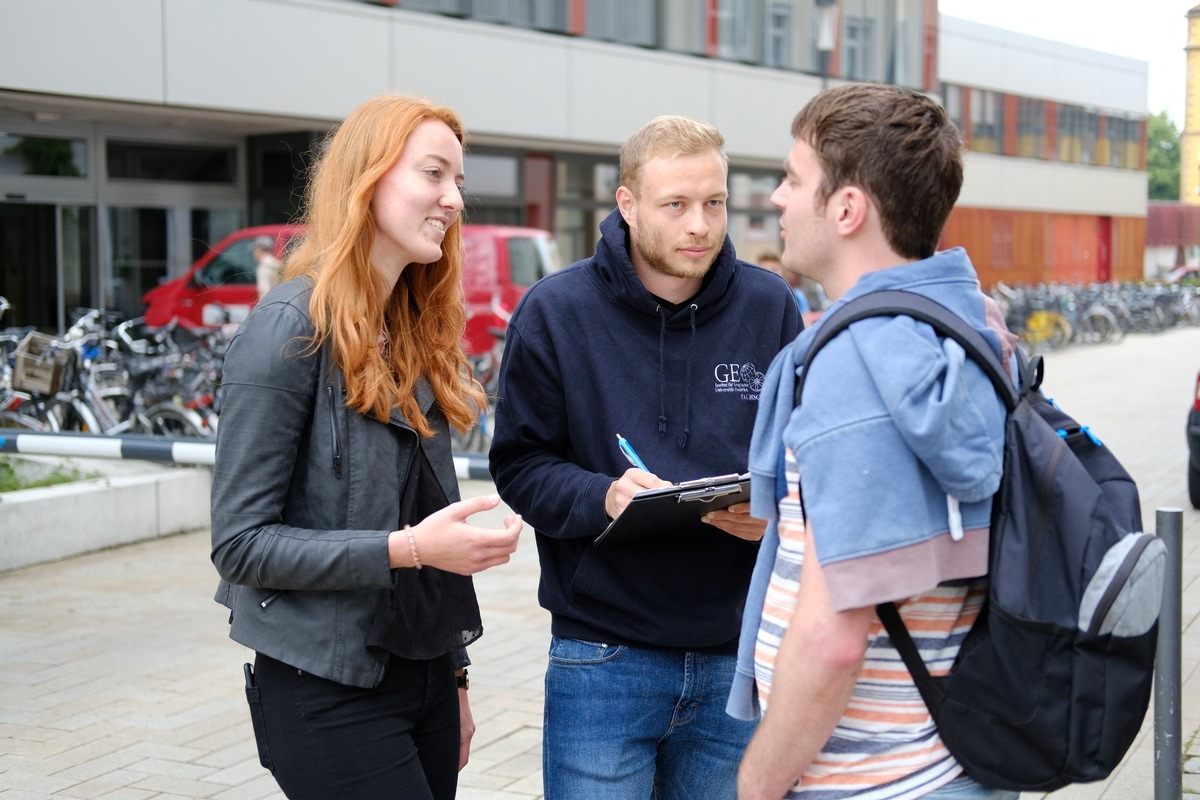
623 723
963 788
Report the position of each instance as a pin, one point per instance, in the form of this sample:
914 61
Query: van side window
524 261
235 265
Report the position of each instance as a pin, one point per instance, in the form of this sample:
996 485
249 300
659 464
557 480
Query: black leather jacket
304 494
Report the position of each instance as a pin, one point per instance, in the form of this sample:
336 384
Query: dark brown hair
899 146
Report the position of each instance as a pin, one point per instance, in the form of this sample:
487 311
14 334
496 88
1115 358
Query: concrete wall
38 525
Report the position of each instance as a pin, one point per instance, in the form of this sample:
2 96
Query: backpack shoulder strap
893 303
896 302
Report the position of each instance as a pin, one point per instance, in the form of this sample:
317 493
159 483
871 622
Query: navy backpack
1052 682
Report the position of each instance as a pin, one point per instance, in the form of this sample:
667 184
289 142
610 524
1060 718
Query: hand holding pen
635 480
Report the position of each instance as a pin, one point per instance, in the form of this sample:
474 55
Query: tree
1162 157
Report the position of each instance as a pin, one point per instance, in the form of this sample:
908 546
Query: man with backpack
879 486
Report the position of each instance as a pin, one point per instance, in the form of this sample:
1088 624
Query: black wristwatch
462 680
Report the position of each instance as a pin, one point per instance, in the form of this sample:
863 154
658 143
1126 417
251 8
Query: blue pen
631 454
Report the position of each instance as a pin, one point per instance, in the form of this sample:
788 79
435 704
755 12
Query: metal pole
1168 753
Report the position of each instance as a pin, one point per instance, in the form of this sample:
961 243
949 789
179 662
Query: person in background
896 448
769 259
267 267
344 551
661 337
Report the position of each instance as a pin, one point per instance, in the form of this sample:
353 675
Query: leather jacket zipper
333 431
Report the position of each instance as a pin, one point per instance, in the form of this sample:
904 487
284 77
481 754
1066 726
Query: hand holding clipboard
673 510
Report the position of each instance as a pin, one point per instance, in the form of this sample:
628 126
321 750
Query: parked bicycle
86 381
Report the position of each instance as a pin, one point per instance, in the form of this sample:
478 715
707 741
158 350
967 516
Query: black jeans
323 740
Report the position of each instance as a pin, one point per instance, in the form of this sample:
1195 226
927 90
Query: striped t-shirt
885 747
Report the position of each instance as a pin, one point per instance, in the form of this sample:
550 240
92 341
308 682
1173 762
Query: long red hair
424 314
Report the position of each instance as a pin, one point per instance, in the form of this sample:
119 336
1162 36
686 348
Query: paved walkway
118 680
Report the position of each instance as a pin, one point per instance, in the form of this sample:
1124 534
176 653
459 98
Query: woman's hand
447 541
466 727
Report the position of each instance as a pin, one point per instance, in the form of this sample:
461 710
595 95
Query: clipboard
676 510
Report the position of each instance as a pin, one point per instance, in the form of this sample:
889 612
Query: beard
661 257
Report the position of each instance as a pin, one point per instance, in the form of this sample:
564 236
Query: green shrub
12 479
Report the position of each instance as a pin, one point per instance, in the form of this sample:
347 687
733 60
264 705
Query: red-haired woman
337 529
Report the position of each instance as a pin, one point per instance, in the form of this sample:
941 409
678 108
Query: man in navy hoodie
662 336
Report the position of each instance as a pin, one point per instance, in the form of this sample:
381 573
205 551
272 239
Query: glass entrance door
43 288
27 264
139 245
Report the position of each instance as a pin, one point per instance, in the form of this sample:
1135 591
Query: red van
501 262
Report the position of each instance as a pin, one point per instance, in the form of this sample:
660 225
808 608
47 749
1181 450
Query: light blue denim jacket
899 430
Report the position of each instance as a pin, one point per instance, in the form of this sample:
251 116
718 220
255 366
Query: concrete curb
135 501
40 525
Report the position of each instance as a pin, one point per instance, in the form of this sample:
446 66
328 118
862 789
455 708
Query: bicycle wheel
1047 330
22 411
167 419
72 414
1100 325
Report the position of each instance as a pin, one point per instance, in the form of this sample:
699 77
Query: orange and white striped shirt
885 747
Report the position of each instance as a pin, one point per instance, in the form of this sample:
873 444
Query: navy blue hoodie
590 354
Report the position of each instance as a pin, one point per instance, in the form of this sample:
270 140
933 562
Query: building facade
1055 135
133 133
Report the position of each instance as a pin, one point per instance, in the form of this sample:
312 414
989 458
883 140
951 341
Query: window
586 188
627 21
586 179
859 49
1089 137
987 121
542 14
952 96
1124 141
524 263
1031 128
42 155
234 265
733 30
168 162
777 36
454 7
494 176
753 221
1068 134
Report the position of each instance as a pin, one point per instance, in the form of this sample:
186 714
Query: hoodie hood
613 270
617 278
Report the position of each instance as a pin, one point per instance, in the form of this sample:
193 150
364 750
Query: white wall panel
977 55
500 80
1023 184
754 109
615 90
111 49
298 58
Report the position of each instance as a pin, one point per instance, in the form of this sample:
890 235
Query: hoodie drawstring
687 384
662 371
682 441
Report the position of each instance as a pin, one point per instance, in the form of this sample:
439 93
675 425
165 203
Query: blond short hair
668 135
